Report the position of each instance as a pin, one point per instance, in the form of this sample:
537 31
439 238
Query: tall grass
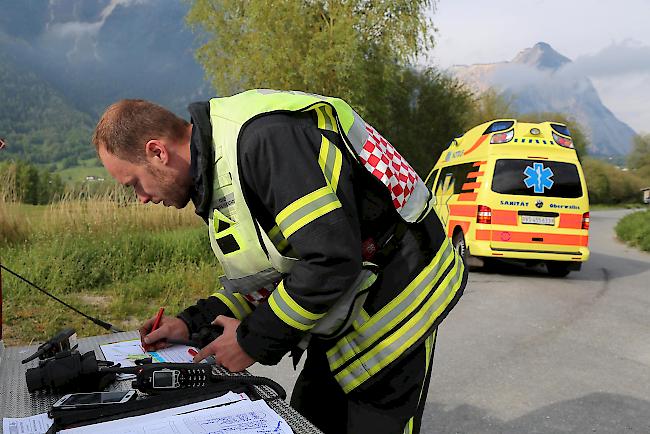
114 209
102 252
635 229
12 228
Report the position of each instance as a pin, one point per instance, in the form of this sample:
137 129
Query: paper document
126 352
38 424
212 416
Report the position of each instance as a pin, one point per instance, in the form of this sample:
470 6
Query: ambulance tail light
484 214
585 221
563 141
502 137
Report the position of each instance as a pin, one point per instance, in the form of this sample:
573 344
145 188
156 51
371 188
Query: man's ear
157 151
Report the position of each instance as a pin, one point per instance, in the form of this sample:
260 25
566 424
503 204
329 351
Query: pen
156 322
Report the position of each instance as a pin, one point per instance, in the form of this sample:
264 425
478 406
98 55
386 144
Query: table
16 401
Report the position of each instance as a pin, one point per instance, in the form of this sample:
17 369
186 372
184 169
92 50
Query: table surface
16 401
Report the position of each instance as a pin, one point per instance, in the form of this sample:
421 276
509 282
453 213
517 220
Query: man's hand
225 348
170 327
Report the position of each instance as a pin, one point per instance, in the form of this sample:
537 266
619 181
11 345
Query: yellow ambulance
514 190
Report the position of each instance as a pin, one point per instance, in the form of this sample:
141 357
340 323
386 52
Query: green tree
27 182
609 184
323 46
425 110
24 182
639 158
490 105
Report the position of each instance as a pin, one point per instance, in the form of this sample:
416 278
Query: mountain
39 125
541 56
82 55
539 79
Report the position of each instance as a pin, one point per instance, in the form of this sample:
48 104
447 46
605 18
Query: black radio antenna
103 324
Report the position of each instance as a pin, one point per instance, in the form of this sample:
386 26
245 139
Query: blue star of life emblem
538 177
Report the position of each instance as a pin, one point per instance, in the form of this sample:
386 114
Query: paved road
526 353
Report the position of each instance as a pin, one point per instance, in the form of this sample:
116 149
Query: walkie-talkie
155 377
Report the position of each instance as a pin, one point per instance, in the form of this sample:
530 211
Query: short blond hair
128 124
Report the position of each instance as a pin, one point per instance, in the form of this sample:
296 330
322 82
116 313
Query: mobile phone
94 399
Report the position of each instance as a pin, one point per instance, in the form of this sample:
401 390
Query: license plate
537 220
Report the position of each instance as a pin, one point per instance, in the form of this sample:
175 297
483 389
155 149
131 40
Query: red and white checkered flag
383 161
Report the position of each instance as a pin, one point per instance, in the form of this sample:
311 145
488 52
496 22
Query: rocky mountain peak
535 82
541 56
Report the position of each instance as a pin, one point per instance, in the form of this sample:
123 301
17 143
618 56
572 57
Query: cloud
74 29
78 39
517 76
78 29
627 57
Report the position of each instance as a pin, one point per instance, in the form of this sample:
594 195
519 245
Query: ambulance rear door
538 206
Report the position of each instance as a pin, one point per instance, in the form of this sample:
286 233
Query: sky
608 41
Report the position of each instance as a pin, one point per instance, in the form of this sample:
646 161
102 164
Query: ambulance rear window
536 178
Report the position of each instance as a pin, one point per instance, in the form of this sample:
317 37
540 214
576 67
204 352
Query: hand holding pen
157 329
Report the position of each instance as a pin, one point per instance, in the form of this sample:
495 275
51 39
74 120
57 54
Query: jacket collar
202 158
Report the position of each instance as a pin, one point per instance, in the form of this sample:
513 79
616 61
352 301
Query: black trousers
391 402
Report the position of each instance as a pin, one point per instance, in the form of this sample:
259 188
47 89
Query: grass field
112 258
634 229
79 173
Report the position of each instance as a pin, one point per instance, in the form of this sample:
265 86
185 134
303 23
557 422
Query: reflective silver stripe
416 204
394 312
307 209
290 312
244 285
393 346
235 302
357 134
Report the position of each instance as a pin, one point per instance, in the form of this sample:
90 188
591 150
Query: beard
174 189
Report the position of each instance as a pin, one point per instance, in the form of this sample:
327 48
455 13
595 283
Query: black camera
69 371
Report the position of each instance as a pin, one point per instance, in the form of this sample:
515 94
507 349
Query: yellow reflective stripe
243 303
408 429
325 118
392 347
428 346
330 160
320 117
398 308
236 309
278 240
306 209
361 319
289 311
282 245
282 292
275 231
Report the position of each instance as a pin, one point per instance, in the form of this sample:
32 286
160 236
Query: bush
120 277
607 184
78 263
635 229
